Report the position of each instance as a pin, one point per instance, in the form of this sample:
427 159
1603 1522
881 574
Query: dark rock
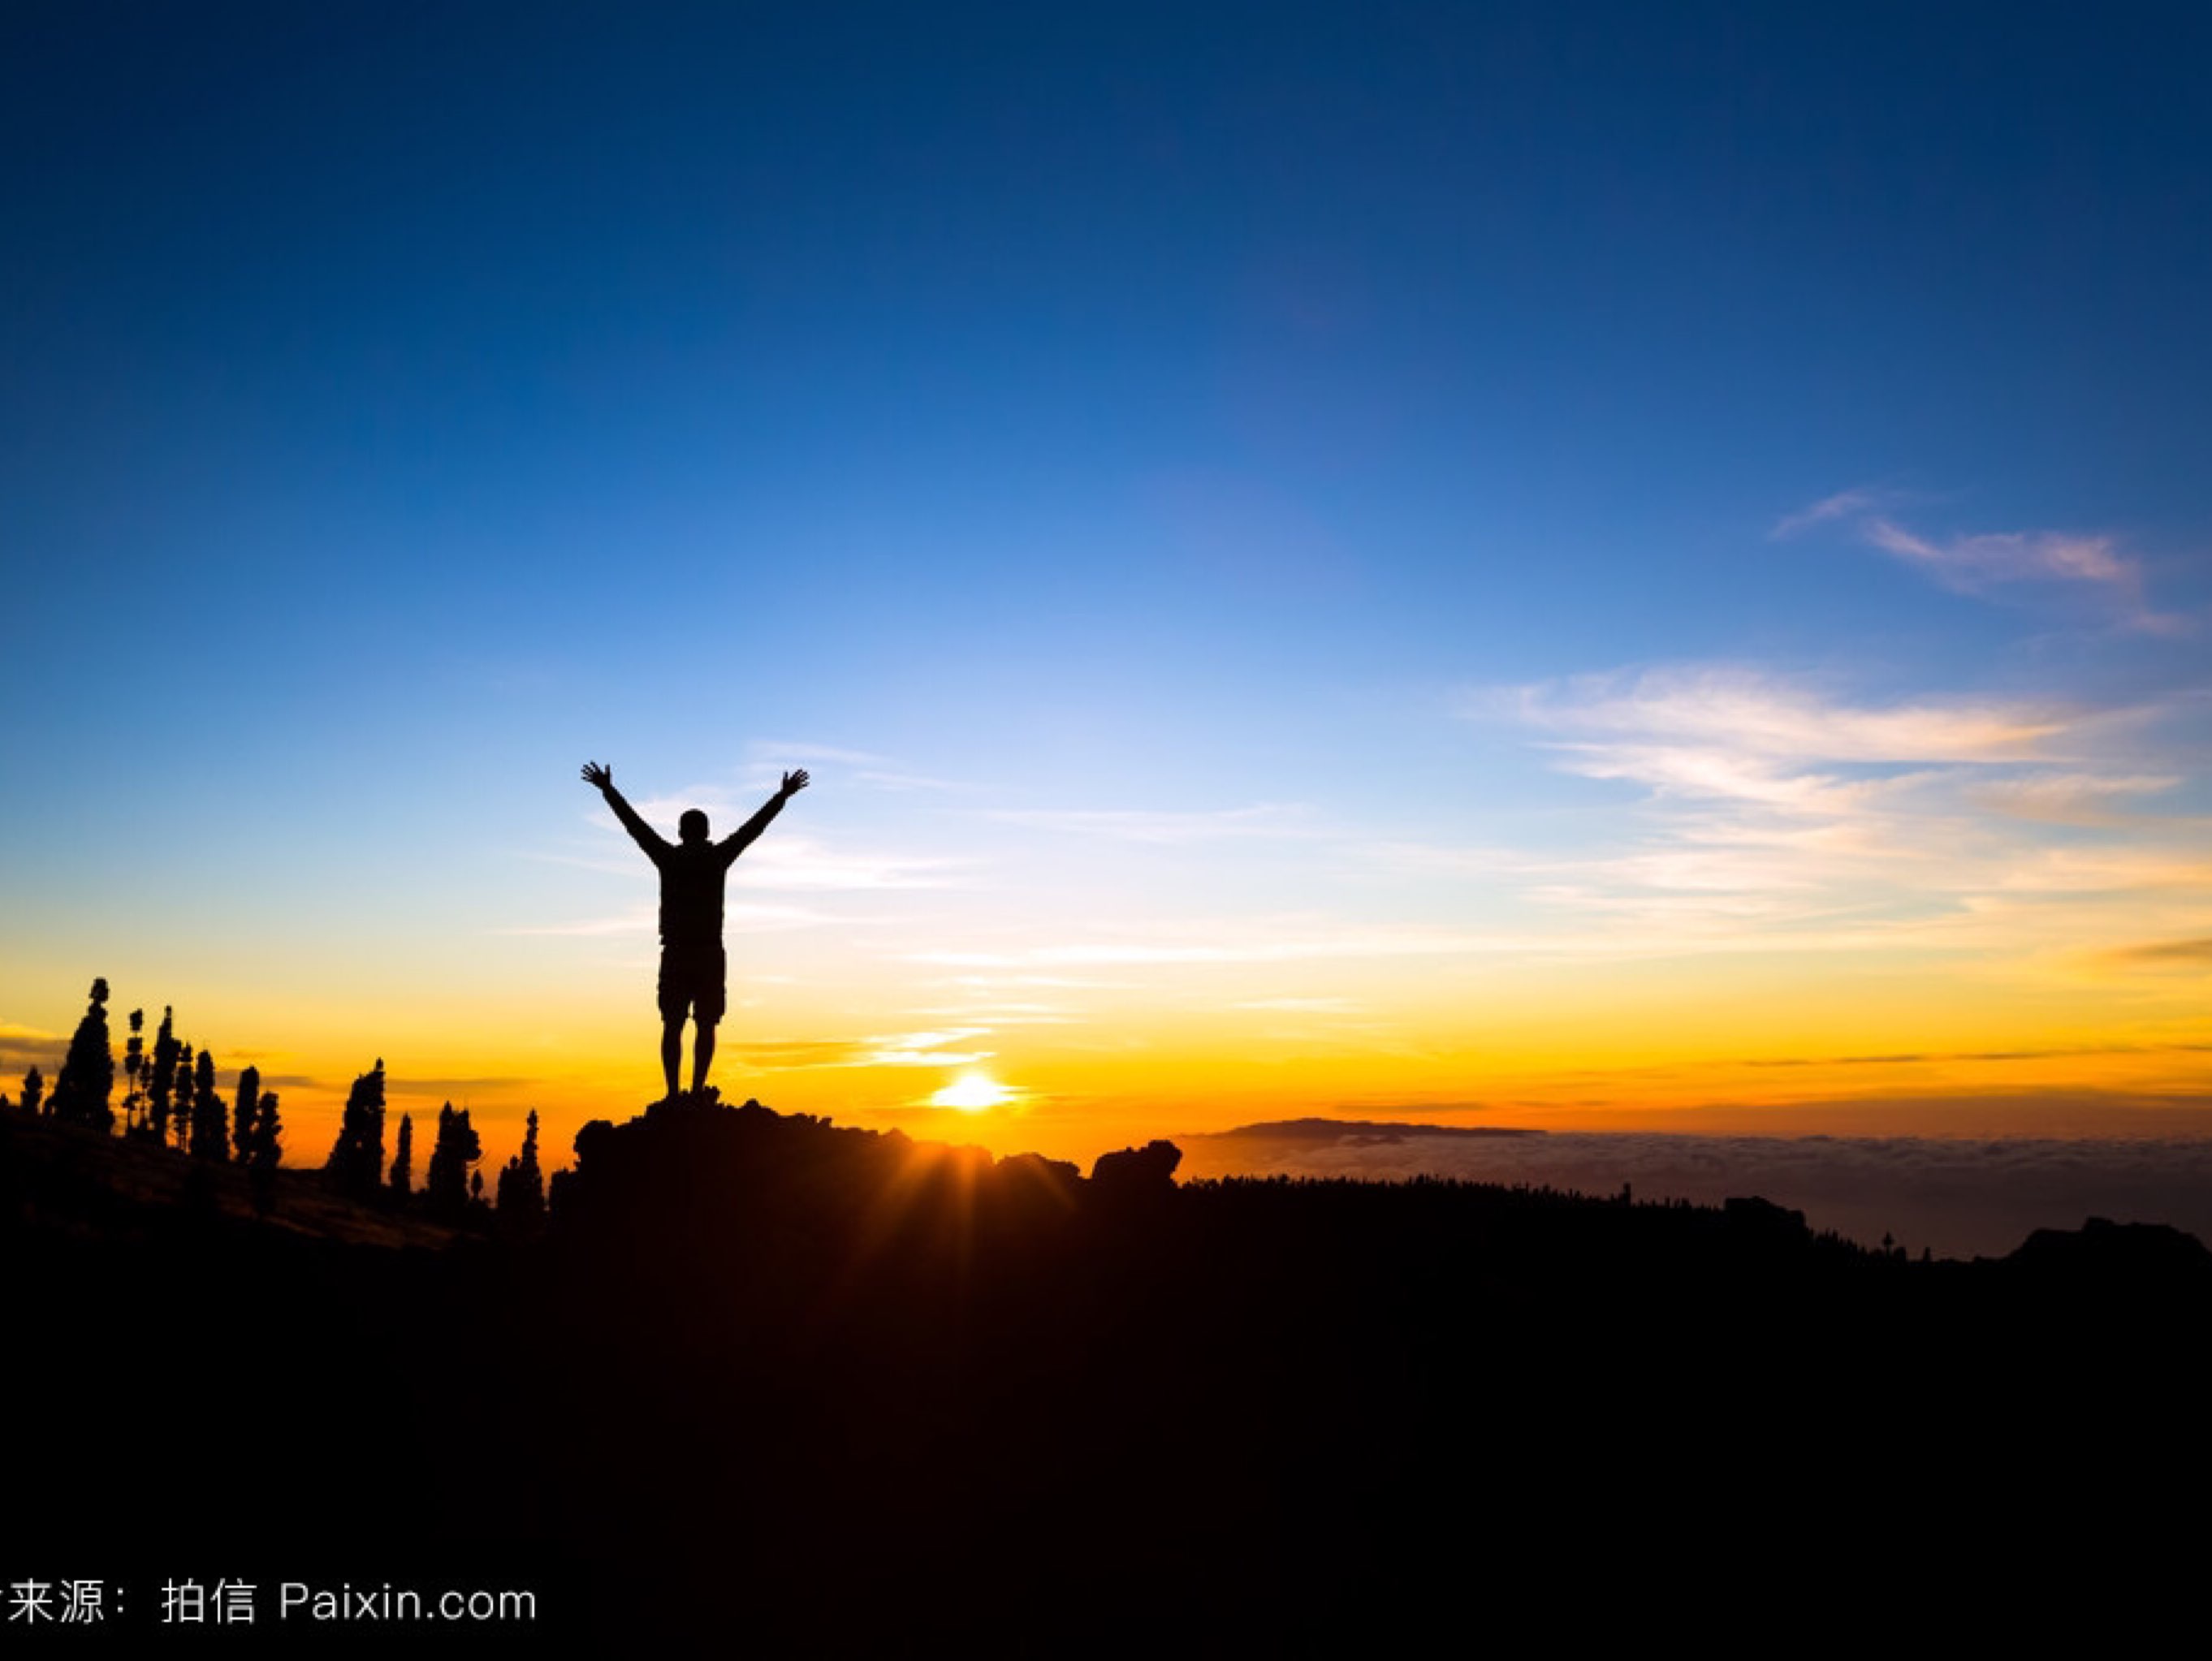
2118 1251
1762 1219
1137 1171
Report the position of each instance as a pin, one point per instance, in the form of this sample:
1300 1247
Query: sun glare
972 1093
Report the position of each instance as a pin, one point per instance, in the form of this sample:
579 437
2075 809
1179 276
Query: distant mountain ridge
1365 1130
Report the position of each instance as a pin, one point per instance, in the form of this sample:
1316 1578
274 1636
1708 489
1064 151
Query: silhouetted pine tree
34 1091
161 1083
134 1075
356 1166
403 1162
88 1074
210 1123
180 1119
522 1187
446 1185
264 1151
247 1104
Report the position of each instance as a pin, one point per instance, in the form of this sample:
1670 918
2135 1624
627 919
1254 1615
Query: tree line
170 1099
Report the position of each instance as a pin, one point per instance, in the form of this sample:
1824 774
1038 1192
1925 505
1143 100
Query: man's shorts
691 977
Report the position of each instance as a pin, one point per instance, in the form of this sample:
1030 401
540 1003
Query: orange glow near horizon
1787 1046
2072 1082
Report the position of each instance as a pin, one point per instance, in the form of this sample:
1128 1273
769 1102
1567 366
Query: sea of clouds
1959 1199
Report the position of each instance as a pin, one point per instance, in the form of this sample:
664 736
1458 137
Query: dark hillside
769 1381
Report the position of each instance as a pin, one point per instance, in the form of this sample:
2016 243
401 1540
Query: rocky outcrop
1136 1173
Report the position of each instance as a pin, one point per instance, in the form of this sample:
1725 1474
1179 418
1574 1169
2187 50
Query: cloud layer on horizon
1961 1197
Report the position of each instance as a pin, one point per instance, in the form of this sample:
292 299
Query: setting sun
972 1093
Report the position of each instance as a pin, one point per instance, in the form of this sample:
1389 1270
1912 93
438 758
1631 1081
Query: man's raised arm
742 838
643 834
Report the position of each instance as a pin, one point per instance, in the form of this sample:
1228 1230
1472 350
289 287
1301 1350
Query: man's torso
691 875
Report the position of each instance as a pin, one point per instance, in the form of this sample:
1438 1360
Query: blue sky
1351 419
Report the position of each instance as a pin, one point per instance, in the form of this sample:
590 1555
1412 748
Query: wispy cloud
802 862
2070 798
1775 809
1921 1058
921 1049
1238 941
1017 1013
1844 505
792 1053
22 1047
457 1085
2106 870
941 1048
1742 714
1985 563
1266 819
987 982
1975 564
2187 955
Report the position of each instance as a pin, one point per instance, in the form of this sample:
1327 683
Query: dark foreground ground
768 1387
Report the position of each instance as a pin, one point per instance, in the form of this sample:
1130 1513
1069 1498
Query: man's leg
675 998
702 1055
671 1050
711 995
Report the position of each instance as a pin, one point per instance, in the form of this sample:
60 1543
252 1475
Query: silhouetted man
692 967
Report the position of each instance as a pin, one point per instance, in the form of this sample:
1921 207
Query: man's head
692 826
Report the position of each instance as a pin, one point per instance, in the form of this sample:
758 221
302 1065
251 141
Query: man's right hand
596 774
